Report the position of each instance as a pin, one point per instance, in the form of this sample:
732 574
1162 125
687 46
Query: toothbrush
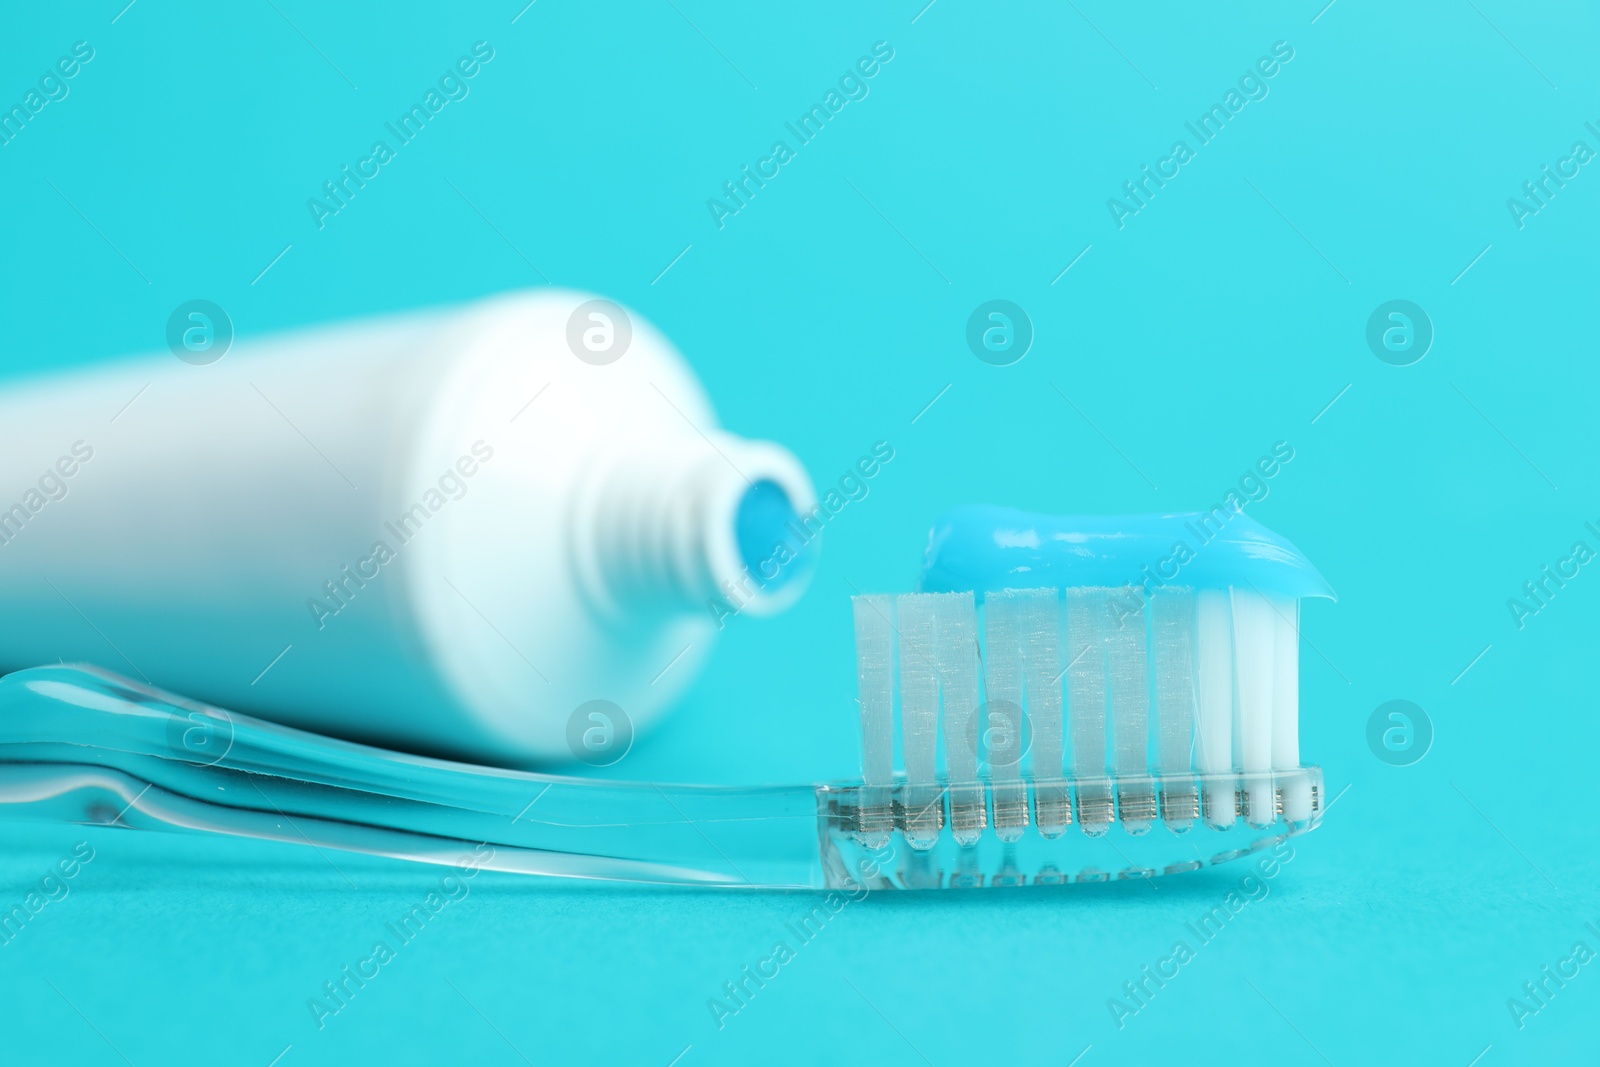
1003 810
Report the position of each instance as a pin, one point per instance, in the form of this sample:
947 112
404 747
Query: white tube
445 531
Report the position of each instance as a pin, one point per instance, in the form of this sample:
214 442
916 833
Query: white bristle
1023 685
1005 719
1214 670
957 628
1286 705
875 681
1172 636
1254 646
1217 669
1128 687
939 659
1052 802
919 717
1087 624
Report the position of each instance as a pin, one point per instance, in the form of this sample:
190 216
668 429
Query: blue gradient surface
1171 347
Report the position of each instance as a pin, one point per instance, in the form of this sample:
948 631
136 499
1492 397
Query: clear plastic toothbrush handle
86 746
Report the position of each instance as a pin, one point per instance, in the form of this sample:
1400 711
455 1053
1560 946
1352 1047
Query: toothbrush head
1064 687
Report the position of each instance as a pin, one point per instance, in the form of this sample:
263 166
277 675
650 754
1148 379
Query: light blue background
826 315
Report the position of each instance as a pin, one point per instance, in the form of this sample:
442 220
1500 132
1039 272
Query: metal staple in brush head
1137 806
1180 804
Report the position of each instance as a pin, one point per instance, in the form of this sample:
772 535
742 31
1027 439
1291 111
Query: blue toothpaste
981 549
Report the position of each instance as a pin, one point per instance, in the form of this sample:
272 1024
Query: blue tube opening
773 544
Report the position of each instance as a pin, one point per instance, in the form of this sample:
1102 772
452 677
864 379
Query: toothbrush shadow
1195 886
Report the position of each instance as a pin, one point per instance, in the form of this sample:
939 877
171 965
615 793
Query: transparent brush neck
84 746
